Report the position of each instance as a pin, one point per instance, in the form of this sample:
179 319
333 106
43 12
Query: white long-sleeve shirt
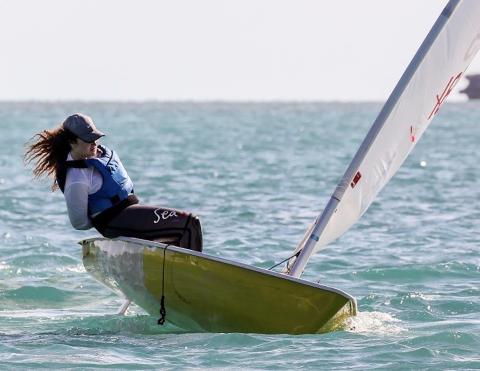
79 183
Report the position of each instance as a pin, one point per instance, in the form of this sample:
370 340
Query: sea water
257 174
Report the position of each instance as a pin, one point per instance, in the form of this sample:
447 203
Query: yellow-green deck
204 293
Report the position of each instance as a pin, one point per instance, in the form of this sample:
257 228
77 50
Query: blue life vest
116 185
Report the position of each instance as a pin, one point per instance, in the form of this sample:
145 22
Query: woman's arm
76 196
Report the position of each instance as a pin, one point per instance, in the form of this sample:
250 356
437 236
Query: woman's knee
195 220
196 233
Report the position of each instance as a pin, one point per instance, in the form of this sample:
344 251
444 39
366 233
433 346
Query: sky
227 50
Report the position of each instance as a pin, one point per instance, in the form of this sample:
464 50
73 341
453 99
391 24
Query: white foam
375 323
79 268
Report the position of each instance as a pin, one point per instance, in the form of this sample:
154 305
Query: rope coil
163 311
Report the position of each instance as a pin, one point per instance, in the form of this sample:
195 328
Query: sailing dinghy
198 292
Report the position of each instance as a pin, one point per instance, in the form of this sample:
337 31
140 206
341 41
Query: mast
352 175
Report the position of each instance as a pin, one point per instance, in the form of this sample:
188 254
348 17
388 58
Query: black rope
283 261
163 311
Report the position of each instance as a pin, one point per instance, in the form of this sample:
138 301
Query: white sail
434 71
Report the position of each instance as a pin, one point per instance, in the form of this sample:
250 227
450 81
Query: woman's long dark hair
49 150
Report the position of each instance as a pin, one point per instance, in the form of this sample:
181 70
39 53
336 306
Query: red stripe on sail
355 180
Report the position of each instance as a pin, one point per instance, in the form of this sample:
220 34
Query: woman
98 190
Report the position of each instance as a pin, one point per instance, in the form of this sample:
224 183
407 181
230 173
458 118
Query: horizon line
204 101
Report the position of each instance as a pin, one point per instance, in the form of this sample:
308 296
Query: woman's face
82 150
